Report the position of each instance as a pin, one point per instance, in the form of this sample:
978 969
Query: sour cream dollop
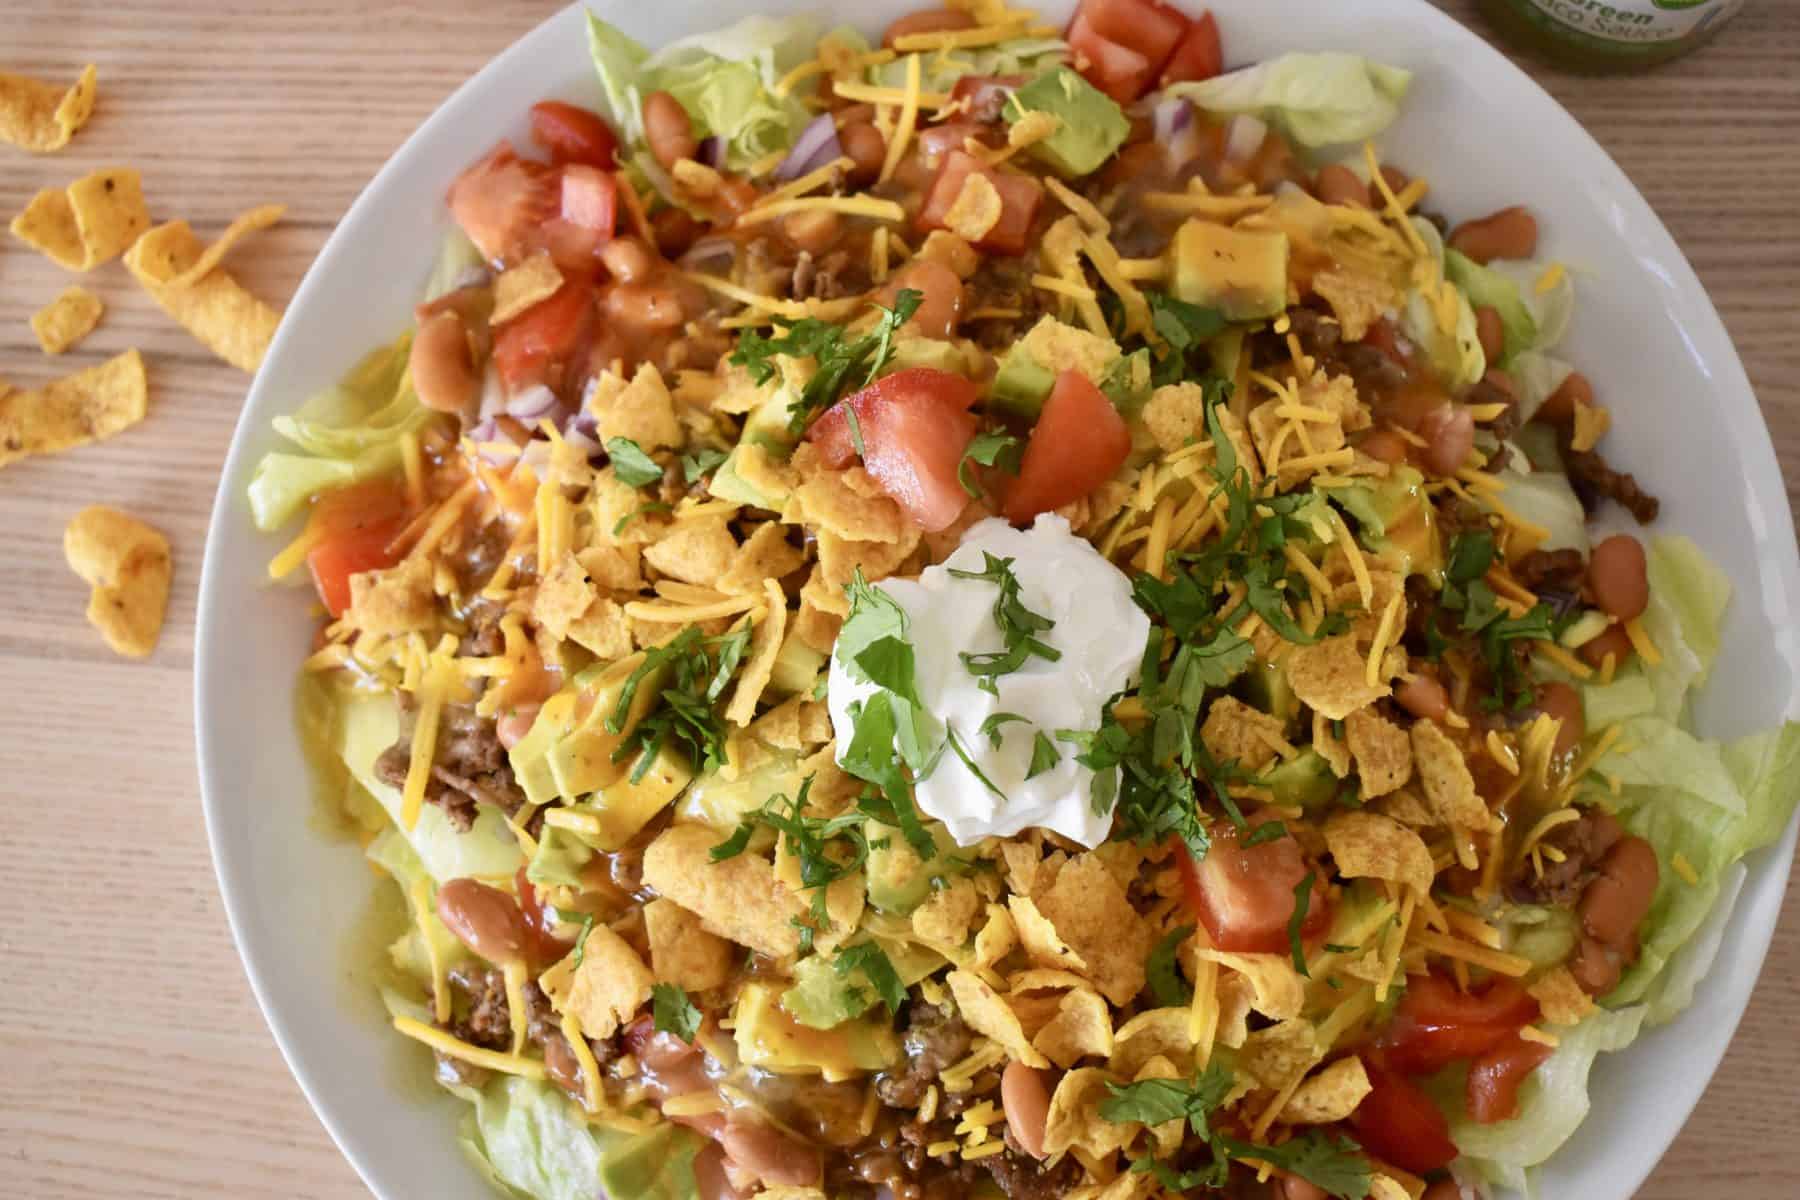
1100 634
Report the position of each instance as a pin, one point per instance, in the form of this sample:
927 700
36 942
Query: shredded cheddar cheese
493 1060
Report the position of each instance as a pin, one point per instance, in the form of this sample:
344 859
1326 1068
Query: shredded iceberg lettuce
1454 354
1020 56
725 80
1318 100
526 1136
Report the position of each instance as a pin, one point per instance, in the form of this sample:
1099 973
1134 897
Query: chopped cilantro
673 1012
697 670
827 848
1296 921
1164 972
994 727
1001 450
642 510
840 359
1184 329
873 963
1335 1165
629 462
1044 756
701 463
587 927
962 752
1268 831
1018 625
1153 1101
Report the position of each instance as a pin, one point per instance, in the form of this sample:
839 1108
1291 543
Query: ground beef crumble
470 767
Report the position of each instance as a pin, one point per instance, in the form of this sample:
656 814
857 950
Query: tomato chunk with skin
537 346
1150 29
352 528
1436 1023
501 202
1492 1090
1244 895
1079 443
1201 55
1119 71
1398 1123
1019 196
915 428
572 134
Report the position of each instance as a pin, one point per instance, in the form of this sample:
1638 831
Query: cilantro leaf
1297 921
587 927
1333 1164
1044 756
1268 831
1001 450
1184 330
1153 1101
673 1012
906 303
629 462
961 752
840 360
644 509
994 727
873 963
701 463
694 671
1164 971
1018 625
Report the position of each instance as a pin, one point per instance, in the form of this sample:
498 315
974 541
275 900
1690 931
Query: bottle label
1622 23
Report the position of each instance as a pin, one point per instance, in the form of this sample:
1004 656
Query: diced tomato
352 528
538 345
915 426
1245 895
1398 1123
1019 196
1492 1091
1080 441
1437 1023
984 94
502 200
588 216
1119 71
572 134
1199 56
1145 26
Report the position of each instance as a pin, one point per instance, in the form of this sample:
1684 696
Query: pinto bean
1563 703
1616 901
1385 446
1293 1187
1337 184
1509 233
814 230
1615 642
1026 1101
483 918
941 302
1491 331
651 307
629 260
926 20
866 148
1423 697
1449 433
1596 966
1443 1189
1559 408
1619 577
443 370
771 1155
668 130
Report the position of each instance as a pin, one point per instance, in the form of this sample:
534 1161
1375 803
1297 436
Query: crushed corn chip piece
524 286
1232 730
66 319
1382 751
1329 675
997 938
1328 1095
1276 989
1562 999
948 914
398 600
610 983
641 410
1445 777
75 410
48 226
1357 300
1330 746
1159 1033
1272 1057
697 551
1094 916
227 320
1369 845
1039 937
1074 1119
739 899
976 209
109 211
765 554
988 1013
41 117
127 565
759 663
1081 1028
246 223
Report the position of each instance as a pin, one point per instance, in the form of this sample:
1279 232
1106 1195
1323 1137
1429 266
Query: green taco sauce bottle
1610 35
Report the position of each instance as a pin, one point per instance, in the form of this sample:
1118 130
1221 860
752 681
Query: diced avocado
820 997
728 485
1266 686
1090 124
768 1037
657 1164
619 809
723 803
1225 350
899 880
1496 291
1020 386
568 751
1126 382
1305 780
1242 273
1358 916
1395 518
559 859
797 667
766 426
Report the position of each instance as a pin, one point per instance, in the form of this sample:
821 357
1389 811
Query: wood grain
135 1062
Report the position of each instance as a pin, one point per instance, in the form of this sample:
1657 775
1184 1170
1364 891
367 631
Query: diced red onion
582 442
532 404
1177 132
712 151
489 442
816 146
493 396
579 432
1243 138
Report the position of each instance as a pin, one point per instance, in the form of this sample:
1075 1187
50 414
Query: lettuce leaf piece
457 255
530 1138
1760 773
1537 376
1497 291
1545 498
1552 1102
559 859
1688 597
411 953
724 79
1550 309
1627 696
1455 353
1318 100
347 433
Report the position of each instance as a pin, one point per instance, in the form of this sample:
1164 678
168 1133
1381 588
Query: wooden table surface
133 1061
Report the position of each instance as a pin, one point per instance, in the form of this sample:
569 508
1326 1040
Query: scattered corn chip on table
136 1062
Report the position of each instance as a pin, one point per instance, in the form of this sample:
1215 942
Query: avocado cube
1090 124
1242 273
